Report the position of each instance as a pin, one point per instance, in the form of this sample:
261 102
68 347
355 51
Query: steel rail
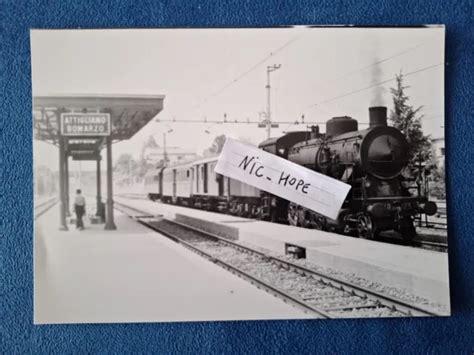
443 246
275 291
44 207
402 306
45 202
363 292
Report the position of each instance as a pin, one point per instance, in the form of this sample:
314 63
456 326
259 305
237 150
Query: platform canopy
128 114
81 125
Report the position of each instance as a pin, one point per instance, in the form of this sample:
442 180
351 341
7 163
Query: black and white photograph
239 174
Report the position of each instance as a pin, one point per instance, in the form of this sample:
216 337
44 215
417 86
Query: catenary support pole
109 224
269 120
66 182
62 192
270 69
99 197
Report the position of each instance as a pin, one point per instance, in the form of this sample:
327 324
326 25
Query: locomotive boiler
370 160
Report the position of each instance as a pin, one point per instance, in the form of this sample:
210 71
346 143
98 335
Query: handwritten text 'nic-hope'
257 169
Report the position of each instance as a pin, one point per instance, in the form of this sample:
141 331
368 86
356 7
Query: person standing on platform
80 209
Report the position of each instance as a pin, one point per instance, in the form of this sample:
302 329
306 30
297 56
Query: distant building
156 155
438 151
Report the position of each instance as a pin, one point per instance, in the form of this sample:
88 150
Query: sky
206 73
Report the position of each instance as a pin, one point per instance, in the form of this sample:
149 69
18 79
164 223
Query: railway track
437 246
436 222
318 294
44 207
427 238
435 225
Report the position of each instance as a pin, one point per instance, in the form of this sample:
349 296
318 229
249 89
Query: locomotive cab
273 207
280 146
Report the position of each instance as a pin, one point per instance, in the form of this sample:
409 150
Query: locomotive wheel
365 227
408 233
293 214
314 221
233 208
273 216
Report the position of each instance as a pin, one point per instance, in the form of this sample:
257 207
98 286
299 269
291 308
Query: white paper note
282 178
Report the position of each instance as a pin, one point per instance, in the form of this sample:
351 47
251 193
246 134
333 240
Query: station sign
85 155
85 124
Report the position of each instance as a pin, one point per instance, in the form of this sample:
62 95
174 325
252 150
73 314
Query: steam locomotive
370 160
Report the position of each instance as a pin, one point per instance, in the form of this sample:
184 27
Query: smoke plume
376 77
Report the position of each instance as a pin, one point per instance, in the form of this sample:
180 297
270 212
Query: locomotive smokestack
377 116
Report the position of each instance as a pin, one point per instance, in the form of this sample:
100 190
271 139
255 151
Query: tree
216 146
40 189
150 143
408 120
143 165
125 164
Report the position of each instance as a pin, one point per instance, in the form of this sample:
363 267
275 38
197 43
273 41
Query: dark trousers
80 211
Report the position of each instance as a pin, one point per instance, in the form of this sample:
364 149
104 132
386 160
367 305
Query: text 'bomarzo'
85 124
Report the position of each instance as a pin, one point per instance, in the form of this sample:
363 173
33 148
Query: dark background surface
18 335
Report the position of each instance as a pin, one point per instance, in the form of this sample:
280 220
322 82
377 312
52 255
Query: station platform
134 275
419 272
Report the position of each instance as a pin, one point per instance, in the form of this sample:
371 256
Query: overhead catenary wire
373 85
246 72
377 62
386 59
285 45
239 77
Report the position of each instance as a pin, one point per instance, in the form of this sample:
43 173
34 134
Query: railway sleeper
352 306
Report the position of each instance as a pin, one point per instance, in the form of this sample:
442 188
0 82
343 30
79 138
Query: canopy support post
109 224
99 197
66 181
62 192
